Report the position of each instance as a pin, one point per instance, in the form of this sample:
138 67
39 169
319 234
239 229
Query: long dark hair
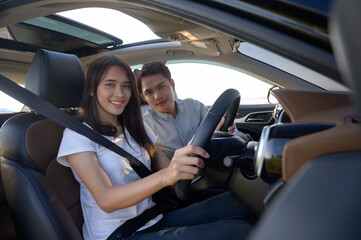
131 118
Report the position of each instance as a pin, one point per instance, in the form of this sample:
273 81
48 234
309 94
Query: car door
252 118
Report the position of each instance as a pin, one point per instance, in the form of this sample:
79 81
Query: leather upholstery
43 196
55 78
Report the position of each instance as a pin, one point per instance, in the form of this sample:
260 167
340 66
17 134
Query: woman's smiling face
113 94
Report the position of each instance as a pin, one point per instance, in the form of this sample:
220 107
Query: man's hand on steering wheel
226 105
230 129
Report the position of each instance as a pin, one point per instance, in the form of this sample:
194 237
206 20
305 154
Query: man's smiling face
158 92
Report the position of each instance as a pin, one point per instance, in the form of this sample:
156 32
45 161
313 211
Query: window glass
205 82
289 66
58 26
8 104
113 22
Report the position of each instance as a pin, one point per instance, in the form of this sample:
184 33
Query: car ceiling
154 15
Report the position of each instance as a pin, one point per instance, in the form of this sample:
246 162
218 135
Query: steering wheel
228 102
230 114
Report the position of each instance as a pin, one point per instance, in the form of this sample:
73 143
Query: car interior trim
322 107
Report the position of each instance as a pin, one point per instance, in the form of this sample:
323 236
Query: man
174 121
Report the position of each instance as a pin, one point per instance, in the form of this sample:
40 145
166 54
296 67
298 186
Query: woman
111 191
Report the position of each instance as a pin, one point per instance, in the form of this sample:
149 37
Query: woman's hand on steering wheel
184 164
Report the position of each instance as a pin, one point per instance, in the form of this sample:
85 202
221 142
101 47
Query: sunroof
113 22
57 33
55 24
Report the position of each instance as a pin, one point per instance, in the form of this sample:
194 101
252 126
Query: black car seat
43 196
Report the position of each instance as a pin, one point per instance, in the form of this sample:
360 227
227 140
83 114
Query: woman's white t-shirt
97 223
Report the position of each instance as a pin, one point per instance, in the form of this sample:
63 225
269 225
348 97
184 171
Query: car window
289 66
205 82
8 104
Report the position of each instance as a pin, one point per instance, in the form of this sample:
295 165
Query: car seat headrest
57 78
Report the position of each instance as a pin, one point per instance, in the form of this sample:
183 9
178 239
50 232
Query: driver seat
43 196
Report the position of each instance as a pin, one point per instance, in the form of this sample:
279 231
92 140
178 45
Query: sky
113 22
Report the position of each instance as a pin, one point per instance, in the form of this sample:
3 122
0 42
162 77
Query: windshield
289 66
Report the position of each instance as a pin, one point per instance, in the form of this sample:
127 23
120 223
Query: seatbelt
128 228
51 112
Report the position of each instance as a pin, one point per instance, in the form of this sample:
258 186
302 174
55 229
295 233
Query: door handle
254 120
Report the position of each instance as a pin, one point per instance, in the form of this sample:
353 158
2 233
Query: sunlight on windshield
112 22
206 82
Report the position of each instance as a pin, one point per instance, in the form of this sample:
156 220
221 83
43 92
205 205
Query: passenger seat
43 196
